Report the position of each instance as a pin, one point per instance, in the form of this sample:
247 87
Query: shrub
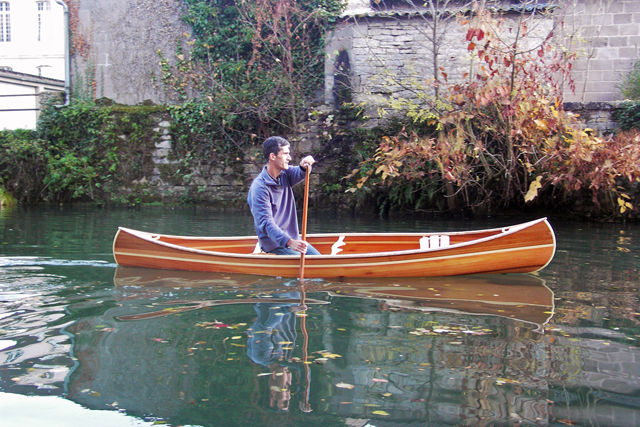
627 114
630 85
252 68
505 140
84 151
23 164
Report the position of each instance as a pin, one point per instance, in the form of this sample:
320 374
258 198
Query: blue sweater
273 207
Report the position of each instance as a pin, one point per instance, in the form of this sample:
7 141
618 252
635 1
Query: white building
32 37
32 58
20 98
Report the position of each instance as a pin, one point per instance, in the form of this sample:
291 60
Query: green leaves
251 69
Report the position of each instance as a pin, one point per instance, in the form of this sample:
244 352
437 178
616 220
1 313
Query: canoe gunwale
153 238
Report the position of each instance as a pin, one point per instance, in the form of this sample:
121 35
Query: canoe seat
337 246
434 241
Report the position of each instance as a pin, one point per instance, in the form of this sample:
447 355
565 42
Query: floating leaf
212 325
329 355
345 385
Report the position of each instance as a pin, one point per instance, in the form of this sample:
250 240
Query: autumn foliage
505 140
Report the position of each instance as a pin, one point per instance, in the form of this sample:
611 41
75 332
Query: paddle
305 406
304 219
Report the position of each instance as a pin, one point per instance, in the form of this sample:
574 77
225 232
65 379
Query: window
42 6
5 22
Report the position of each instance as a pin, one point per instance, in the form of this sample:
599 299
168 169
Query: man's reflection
271 343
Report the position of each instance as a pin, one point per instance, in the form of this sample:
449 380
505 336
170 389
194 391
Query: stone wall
606 36
115 46
389 51
212 181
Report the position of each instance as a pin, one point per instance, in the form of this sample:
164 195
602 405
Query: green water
83 341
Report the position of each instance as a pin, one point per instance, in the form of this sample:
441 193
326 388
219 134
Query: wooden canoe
519 248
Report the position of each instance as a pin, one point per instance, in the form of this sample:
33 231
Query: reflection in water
272 335
272 339
520 297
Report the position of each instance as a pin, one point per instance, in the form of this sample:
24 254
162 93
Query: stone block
628 52
601 64
601 86
622 18
606 53
600 96
612 7
629 365
161 161
629 29
632 6
624 65
163 144
161 152
618 41
609 30
600 20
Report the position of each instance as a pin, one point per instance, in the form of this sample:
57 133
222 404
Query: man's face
282 159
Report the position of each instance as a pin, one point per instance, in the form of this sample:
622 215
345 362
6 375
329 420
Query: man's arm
263 216
301 245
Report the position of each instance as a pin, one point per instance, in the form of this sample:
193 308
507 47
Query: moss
6 199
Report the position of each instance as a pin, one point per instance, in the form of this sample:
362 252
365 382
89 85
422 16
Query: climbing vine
247 69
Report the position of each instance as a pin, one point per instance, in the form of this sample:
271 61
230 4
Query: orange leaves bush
505 140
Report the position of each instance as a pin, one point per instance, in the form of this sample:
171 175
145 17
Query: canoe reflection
207 361
519 297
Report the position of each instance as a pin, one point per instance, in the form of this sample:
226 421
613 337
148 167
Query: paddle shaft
304 218
303 294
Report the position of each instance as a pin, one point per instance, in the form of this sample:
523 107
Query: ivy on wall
248 69
86 151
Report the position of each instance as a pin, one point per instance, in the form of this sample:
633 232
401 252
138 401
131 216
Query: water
83 342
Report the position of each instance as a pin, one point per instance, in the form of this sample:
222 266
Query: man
272 203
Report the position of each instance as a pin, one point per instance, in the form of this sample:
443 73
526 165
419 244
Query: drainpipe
67 56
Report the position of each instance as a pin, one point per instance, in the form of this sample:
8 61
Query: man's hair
273 144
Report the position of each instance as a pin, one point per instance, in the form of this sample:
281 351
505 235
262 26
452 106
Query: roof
6 75
422 12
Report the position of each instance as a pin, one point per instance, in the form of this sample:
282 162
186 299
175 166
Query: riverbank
134 156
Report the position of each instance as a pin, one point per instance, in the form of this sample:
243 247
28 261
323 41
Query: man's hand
298 245
306 162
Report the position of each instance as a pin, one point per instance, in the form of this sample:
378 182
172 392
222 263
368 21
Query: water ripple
26 261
